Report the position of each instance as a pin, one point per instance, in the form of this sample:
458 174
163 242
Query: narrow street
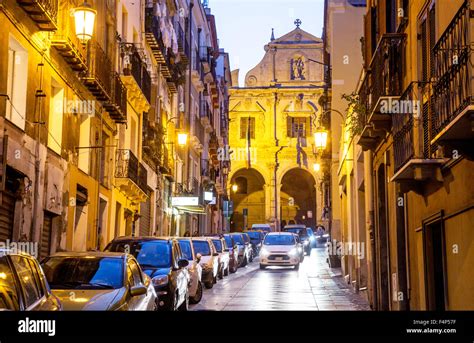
314 287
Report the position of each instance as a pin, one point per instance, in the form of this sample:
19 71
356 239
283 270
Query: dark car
302 232
99 281
256 239
161 259
244 248
23 285
312 238
233 253
248 243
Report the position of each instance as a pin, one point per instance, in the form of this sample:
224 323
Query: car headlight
161 280
264 252
293 252
306 242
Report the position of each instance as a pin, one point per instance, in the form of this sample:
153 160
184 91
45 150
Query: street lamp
84 16
317 167
321 138
235 188
182 139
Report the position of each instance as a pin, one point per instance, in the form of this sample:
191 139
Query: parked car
256 239
245 249
312 238
23 285
300 247
233 253
161 259
194 269
224 258
300 230
99 281
263 227
280 249
208 259
248 244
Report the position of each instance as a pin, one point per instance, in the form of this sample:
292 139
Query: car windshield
202 247
186 249
150 254
218 244
279 240
254 235
228 241
8 292
84 272
298 230
246 238
238 239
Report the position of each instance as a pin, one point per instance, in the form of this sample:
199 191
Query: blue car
256 239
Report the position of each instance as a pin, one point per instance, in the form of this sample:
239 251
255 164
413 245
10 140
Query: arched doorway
298 198
248 196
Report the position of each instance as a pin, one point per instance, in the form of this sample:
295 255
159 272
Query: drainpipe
277 164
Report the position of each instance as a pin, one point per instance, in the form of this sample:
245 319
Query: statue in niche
297 69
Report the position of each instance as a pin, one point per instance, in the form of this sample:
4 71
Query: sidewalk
329 289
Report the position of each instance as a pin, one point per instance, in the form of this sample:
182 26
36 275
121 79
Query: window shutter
289 126
424 52
432 33
252 128
307 127
243 128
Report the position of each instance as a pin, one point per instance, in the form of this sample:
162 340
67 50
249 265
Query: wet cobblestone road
314 287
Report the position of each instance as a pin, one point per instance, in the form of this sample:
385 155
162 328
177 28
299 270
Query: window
17 83
8 291
298 126
27 280
241 183
428 41
84 141
247 128
55 122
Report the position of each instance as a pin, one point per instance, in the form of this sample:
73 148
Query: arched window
241 183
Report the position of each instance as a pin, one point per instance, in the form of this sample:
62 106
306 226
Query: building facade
89 129
412 117
272 121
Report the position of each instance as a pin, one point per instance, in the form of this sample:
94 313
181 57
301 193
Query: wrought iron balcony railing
43 12
454 79
127 166
135 65
154 36
402 126
183 44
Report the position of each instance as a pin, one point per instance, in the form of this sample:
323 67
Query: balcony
70 47
154 37
43 12
197 136
412 152
183 44
197 71
136 76
130 175
453 115
105 84
167 163
205 58
206 116
381 89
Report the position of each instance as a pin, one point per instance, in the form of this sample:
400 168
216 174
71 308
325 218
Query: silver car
194 269
99 281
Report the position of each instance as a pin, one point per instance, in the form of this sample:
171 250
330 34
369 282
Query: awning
200 209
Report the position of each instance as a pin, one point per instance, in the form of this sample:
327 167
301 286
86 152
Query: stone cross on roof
298 22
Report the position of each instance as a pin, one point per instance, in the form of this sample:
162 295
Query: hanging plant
355 114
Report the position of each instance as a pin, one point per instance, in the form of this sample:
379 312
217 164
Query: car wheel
198 296
251 258
185 305
215 279
234 268
262 266
209 285
226 271
244 262
220 274
297 267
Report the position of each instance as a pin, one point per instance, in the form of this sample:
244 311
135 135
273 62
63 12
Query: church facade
276 174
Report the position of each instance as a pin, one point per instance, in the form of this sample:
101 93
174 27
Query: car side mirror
198 257
137 291
183 263
215 254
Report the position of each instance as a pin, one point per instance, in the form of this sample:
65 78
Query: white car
208 258
280 249
194 269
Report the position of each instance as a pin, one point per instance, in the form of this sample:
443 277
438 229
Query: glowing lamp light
182 139
84 17
320 139
317 167
235 188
